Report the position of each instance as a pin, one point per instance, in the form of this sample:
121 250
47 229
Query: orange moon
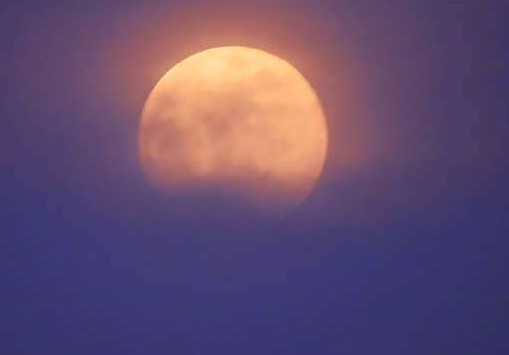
234 119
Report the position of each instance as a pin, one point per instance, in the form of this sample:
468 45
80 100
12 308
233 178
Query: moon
235 120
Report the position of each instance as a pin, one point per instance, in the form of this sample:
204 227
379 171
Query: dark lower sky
401 248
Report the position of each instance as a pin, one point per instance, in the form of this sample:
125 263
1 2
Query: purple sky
401 249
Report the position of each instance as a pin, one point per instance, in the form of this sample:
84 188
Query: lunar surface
236 120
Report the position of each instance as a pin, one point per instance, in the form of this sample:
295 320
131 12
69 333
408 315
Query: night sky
400 249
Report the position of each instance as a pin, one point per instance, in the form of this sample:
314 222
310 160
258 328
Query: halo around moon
234 120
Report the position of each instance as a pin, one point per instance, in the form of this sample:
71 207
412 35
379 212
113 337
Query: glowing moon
234 119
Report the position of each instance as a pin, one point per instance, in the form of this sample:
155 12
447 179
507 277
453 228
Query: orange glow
238 118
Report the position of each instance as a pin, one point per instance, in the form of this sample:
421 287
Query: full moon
235 120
